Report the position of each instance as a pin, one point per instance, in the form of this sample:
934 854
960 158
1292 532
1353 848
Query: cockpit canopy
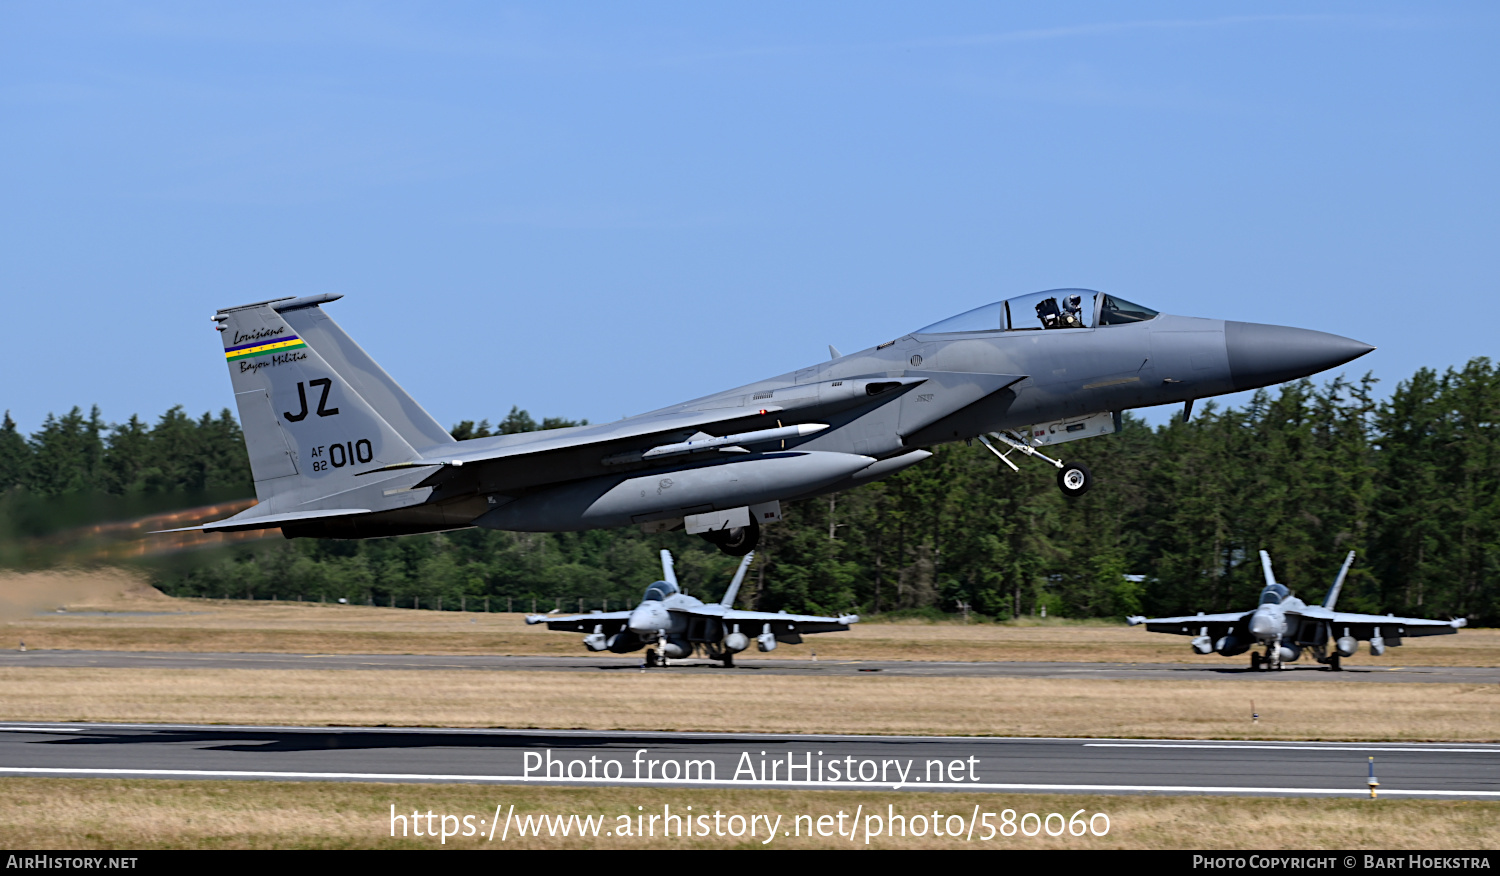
660 591
1053 309
1274 594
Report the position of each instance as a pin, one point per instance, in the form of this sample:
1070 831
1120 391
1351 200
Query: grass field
152 622
840 704
151 814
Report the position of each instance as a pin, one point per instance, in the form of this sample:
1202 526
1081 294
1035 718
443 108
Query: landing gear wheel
1075 479
735 542
728 661
650 656
1254 662
1334 664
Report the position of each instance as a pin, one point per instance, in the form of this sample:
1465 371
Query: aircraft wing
612 621
787 624
579 451
1190 625
1362 626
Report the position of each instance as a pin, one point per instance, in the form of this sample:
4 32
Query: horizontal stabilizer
241 522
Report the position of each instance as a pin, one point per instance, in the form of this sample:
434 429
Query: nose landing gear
1074 478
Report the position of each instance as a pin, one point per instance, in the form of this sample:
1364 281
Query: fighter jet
1284 625
678 624
339 450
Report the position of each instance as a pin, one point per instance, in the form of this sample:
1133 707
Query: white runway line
859 786
1347 747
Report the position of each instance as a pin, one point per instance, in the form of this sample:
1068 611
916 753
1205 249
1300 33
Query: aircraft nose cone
1264 624
645 619
1262 355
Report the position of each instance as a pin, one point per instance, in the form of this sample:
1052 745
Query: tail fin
1338 583
1265 565
350 360
668 571
739 576
307 428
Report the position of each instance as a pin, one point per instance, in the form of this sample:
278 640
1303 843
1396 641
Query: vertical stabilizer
739 576
307 430
1265 565
348 358
1338 583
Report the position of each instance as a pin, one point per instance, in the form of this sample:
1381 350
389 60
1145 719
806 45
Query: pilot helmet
1073 302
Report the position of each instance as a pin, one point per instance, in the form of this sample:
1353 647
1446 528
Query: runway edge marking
864 786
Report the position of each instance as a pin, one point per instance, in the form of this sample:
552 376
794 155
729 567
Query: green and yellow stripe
262 348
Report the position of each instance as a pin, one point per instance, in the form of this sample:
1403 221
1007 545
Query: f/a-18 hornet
1284 625
679 624
339 450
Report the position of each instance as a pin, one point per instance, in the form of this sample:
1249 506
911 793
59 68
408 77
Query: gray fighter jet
1284 625
678 624
339 450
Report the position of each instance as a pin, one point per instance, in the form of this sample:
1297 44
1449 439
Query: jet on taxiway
339 450
1284 625
679 624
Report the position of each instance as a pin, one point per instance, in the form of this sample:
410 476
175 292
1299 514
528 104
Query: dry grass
281 627
151 814
842 704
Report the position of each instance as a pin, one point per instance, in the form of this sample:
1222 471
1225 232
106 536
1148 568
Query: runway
883 763
754 666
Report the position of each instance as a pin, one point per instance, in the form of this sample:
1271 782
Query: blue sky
591 210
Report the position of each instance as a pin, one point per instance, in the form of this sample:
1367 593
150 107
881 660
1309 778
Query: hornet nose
1262 355
649 618
1265 624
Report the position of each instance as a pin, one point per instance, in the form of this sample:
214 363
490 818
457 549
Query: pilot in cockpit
1069 315
1072 311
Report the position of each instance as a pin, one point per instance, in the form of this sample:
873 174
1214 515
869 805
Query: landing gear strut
735 542
1073 478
